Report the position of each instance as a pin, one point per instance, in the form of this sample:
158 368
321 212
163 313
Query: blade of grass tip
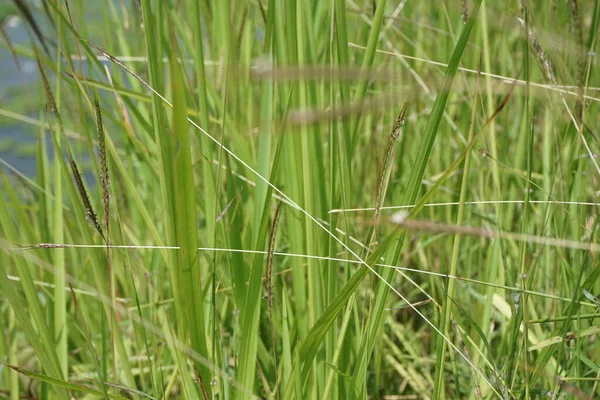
28 15
446 312
186 233
9 44
367 63
77 43
269 290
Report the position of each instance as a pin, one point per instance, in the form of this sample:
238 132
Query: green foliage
288 199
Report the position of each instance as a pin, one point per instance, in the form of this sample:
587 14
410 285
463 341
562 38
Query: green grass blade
185 220
64 384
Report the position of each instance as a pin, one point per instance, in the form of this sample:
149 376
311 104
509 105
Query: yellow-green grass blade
64 384
250 313
183 199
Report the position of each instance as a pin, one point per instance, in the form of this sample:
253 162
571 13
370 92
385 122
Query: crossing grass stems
173 274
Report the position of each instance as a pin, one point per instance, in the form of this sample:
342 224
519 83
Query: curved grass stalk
285 254
564 89
469 203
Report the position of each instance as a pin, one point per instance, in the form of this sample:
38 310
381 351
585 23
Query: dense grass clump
304 199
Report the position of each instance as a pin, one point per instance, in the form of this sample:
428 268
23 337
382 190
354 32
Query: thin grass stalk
184 202
368 61
269 291
8 42
521 317
28 15
60 299
293 172
13 357
246 370
495 270
446 311
308 178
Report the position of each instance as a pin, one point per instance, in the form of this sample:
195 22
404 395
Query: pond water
16 88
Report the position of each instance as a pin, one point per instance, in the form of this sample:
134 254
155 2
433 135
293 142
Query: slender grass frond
284 254
428 226
477 202
269 289
10 46
25 10
502 79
